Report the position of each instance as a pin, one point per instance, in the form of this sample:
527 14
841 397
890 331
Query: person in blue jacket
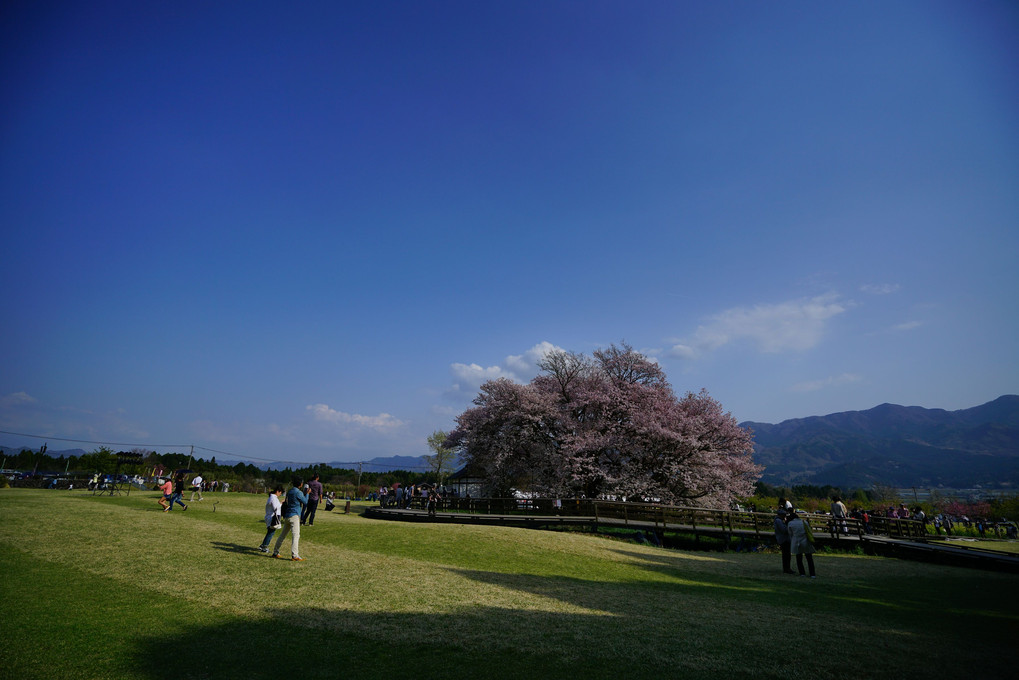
291 515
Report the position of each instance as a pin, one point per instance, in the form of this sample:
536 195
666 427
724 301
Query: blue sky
309 232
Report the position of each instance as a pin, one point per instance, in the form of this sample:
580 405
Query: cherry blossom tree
508 438
607 426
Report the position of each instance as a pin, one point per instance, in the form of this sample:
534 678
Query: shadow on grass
235 548
698 624
559 627
484 643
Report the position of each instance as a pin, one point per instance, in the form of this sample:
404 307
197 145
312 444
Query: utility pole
41 452
358 480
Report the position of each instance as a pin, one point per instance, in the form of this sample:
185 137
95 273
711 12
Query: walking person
273 516
801 542
291 515
178 492
196 488
314 496
433 497
782 538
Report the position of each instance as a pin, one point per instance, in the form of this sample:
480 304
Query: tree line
241 476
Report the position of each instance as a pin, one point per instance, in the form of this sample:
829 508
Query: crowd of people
942 523
795 537
402 497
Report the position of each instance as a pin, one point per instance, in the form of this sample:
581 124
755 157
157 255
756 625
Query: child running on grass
167 488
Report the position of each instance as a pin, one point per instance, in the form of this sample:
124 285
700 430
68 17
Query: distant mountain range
896 446
889 444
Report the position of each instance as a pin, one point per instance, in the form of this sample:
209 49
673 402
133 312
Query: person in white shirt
196 488
273 521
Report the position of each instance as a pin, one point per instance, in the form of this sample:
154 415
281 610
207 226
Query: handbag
810 534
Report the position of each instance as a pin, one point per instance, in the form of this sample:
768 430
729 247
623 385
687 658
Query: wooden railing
668 516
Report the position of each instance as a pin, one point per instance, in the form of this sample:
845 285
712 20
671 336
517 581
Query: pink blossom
611 426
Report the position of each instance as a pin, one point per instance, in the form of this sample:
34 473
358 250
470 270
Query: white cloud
17 399
796 325
880 288
473 374
381 422
286 433
468 378
683 352
523 367
831 381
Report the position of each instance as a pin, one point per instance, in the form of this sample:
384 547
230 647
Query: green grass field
100 587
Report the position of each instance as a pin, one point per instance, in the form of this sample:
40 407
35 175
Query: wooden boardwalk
894 538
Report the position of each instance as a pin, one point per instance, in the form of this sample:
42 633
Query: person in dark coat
782 538
178 491
433 497
314 495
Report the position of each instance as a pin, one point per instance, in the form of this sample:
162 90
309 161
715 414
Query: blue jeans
268 539
177 498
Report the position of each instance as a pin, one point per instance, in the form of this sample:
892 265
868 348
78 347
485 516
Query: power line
86 441
247 457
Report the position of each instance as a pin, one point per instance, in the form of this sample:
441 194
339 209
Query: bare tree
565 367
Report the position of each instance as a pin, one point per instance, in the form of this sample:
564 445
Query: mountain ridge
895 445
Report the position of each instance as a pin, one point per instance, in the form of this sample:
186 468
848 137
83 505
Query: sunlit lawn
100 587
999 546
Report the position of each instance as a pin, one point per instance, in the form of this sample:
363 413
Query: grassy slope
112 587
